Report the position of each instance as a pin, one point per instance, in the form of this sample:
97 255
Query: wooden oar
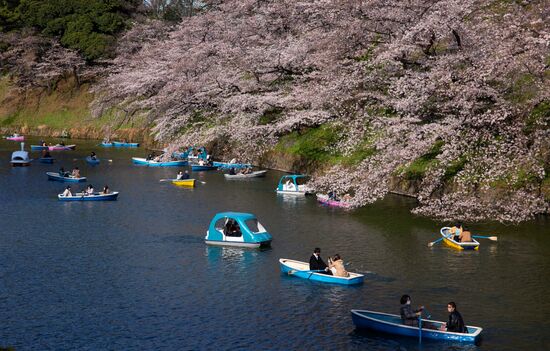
167 180
420 328
434 242
493 238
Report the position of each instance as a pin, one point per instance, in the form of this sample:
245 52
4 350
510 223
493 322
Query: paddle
434 242
292 271
493 238
420 328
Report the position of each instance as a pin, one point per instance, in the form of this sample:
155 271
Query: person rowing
93 156
316 263
67 191
455 231
455 323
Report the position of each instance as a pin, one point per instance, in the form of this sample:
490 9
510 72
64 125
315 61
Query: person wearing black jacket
455 323
316 263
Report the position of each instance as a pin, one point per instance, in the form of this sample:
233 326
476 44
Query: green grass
418 168
270 115
454 168
539 114
313 144
523 89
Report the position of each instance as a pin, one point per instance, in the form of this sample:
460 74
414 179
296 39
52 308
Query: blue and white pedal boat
392 324
301 270
292 185
94 197
151 163
227 165
106 144
247 232
70 179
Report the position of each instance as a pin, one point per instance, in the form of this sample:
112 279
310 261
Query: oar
420 328
166 180
493 238
292 271
434 242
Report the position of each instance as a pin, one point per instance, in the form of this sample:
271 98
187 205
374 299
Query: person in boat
289 185
90 190
336 266
346 198
179 176
149 157
455 323
75 173
106 190
233 160
63 173
43 143
201 162
332 196
465 236
408 315
456 230
46 154
186 175
316 263
157 158
67 191
61 143
93 156
232 228
232 171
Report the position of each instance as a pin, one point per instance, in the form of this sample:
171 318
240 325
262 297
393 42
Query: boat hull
226 165
301 270
19 138
95 197
257 174
184 182
391 324
291 192
61 148
106 144
46 160
55 176
323 199
198 168
20 163
145 162
120 144
38 147
447 240
92 161
238 244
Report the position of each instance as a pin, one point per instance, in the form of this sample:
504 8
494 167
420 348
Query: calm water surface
135 274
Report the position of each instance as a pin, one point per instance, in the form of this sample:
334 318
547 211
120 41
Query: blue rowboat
227 165
392 324
38 147
301 270
92 161
94 197
448 239
237 229
198 168
60 178
121 144
46 159
151 163
104 144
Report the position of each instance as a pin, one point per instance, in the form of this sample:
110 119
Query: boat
301 270
86 197
229 165
15 137
237 229
325 200
106 144
392 324
449 241
38 147
151 163
92 161
123 144
184 182
20 158
289 184
46 159
60 147
195 153
67 179
198 168
256 174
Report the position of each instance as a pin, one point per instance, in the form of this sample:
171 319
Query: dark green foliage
270 115
454 167
539 115
417 169
313 144
88 26
9 16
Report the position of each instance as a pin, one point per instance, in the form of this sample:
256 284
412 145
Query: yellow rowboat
448 239
184 182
